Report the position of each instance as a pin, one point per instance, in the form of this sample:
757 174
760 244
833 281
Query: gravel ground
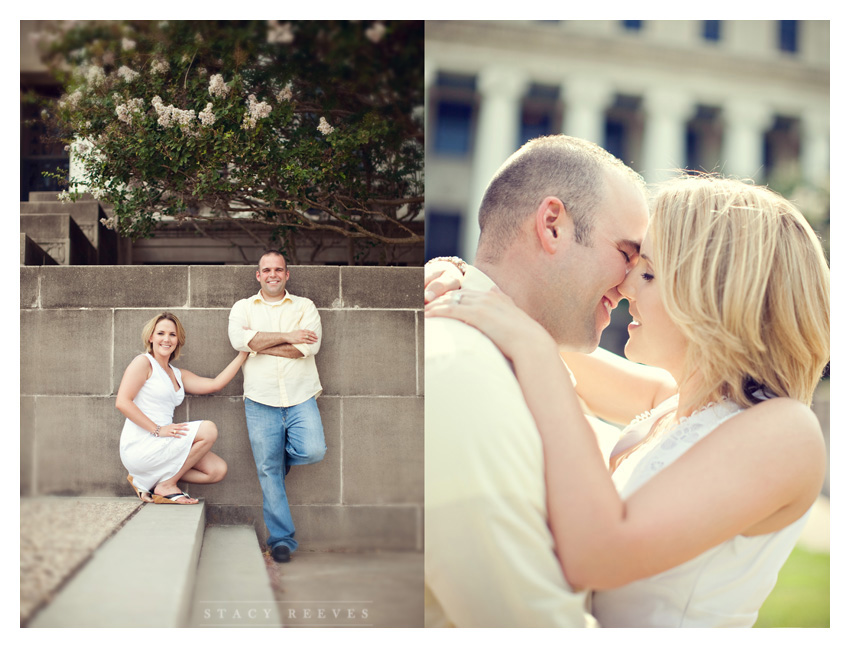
58 535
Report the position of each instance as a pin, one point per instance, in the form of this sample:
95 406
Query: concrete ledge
233 589
53 196
346 529
141 577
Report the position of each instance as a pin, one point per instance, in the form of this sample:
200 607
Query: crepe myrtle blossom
127 74
127 111
284 95
170 116
280 33
324 127
72 100
94 75
206 115
128 44
158 66
218 88
376 32
256 111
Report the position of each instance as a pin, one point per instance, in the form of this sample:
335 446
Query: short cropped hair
150 327
744 277
275 252
568 168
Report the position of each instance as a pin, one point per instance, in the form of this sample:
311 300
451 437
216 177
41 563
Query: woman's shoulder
142 360
787 426
782 414
791 453
140 366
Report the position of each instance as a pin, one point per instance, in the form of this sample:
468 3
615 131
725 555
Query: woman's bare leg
208 470
201 446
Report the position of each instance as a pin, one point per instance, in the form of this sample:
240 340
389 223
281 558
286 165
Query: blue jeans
282 437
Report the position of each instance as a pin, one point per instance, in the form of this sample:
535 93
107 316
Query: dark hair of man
276 253
568 168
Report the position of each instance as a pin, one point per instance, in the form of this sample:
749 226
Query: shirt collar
259 298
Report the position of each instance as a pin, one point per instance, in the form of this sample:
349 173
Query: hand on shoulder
442 275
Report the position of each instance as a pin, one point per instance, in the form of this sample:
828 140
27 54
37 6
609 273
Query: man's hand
302 336
281 344
263 341
282 351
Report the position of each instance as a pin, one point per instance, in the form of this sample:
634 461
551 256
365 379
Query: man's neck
509 281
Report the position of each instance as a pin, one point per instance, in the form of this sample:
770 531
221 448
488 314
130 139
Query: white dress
723 587
147 458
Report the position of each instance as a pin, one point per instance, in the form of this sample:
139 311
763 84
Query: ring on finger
456 297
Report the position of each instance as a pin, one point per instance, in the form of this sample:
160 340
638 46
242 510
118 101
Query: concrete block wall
81 326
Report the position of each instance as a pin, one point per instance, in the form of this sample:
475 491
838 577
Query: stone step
32 254
60 236
87 214
52 196
142 577
232 588
91 208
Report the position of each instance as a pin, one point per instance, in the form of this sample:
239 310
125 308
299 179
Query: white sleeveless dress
147 458
723 587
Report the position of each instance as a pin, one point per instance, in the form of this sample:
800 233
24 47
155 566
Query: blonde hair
744 277
150 327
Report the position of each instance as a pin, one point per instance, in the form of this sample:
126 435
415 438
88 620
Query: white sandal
172 497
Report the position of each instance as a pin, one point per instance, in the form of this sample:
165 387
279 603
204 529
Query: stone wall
81 326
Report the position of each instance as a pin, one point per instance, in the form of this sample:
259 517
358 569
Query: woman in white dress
706 492
156 451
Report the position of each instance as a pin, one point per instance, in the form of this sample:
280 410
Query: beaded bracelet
459 263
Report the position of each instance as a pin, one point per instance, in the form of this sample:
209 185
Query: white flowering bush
301 125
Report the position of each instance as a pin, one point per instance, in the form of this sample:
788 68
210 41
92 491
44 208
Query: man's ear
552 224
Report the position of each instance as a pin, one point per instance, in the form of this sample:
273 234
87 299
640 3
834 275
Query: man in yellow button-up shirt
282 332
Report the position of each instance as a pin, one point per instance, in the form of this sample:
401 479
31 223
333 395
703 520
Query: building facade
743 98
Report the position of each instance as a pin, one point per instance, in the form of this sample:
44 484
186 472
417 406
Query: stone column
664 141
745 123
586 101
497 131
814 146
429 75
75 165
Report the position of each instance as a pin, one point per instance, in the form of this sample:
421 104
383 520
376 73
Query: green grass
801 596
